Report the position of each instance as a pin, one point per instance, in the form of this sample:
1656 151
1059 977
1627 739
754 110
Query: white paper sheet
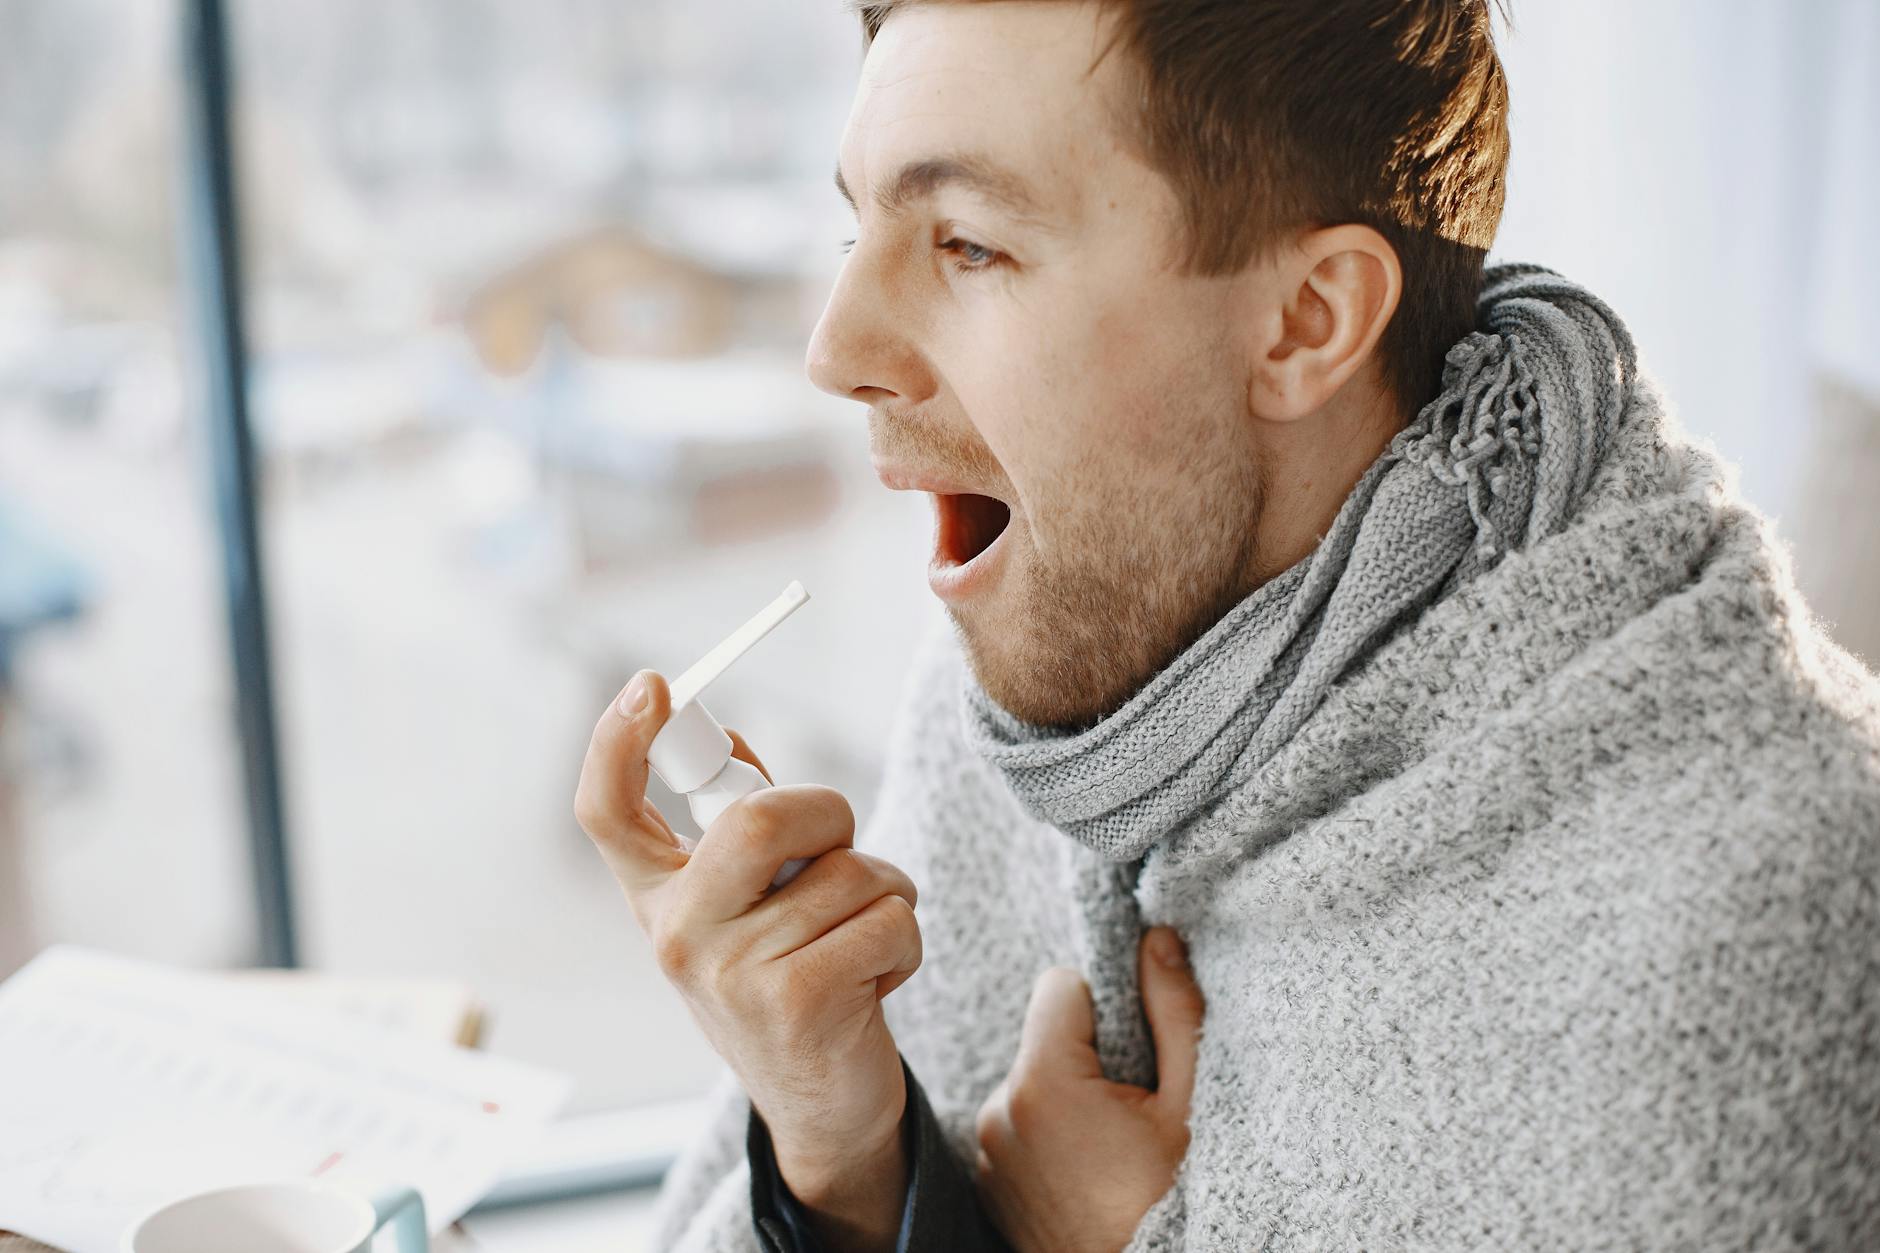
435 1009
124 1084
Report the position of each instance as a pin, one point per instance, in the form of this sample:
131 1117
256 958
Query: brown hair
1272 115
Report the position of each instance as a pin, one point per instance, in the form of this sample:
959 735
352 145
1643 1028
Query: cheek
1025 401
1080 408
1151 364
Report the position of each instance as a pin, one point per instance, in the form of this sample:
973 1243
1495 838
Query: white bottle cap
692 748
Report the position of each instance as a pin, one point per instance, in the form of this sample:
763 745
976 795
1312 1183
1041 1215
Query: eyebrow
918 179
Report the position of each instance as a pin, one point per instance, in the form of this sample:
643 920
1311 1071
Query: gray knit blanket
1534 888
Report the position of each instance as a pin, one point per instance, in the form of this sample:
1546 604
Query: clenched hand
787 985
1069 1162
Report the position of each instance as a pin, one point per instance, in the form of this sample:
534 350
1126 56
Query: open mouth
968 526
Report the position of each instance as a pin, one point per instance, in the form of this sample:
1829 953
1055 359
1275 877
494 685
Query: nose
860 349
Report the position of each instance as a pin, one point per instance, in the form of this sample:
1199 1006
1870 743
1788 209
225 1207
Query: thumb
1172 1001
1060 1029
610 800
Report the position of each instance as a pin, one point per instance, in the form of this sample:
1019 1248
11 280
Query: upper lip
908 479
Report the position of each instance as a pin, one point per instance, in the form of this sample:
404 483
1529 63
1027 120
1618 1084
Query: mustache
903 439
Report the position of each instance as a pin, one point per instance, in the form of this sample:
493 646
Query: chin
1067 657
1028 677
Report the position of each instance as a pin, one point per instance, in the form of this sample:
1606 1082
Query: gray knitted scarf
1499 459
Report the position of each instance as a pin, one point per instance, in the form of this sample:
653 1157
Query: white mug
294 1216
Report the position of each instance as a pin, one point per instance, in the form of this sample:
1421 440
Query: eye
847 244
969 256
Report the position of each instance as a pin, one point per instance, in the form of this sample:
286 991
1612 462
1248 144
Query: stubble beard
1070 640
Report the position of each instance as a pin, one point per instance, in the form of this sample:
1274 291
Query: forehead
1022 83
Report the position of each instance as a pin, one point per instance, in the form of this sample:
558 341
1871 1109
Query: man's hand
787 985
1068 1161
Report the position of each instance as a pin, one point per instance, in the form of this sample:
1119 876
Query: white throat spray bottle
692 754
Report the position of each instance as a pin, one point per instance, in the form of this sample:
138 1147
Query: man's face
1012 316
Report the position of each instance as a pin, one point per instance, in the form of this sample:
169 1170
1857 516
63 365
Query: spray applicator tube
692 754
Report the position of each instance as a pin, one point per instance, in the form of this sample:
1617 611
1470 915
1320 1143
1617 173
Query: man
1379 788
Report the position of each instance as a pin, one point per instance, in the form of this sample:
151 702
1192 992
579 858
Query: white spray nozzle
691 748
695 680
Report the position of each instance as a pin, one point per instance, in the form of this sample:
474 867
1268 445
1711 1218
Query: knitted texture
1503 454
1554 924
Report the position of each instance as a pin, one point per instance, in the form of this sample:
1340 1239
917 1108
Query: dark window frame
213 274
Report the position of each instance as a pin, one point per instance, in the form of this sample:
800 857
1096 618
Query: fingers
901 936
834 888
740 853
1060 1028
1173 1003
894 979
610 799
882 941
992 1125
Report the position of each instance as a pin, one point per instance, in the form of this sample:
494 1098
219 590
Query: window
527 288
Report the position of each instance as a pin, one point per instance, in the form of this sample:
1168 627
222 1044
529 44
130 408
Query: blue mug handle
403 1208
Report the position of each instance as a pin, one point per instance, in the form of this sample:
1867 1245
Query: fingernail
633 700
1169 950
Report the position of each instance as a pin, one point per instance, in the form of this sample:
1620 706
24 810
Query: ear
1338 286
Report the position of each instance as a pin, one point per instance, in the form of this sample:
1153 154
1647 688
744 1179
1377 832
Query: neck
1308 468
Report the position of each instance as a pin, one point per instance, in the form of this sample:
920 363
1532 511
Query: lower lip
957 581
